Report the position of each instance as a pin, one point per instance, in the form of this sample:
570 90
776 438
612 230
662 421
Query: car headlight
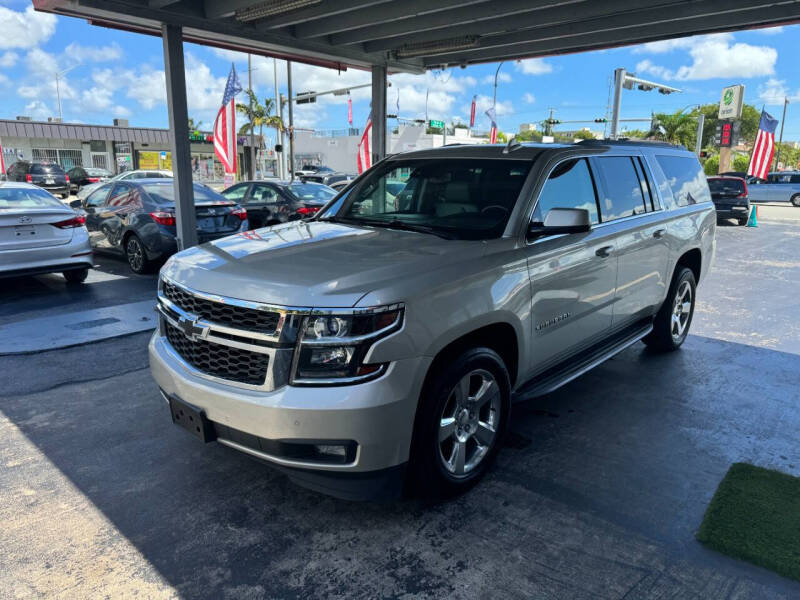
332 346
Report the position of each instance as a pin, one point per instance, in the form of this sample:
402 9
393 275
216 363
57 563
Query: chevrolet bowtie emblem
191 329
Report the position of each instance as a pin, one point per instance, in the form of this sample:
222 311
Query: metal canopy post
378 113
179 127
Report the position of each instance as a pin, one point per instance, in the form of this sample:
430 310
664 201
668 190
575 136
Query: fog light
332 356
327 450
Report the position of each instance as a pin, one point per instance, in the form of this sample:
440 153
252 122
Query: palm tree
262 115
194 126
679 128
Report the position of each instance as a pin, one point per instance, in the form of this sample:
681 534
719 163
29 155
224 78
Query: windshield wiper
405 226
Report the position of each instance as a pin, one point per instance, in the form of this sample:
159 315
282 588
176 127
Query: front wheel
461 419
136 255
796 200
76 275
671 324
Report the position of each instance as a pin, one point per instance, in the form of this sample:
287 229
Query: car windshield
469 199
725 186
14 198
163 192
98 172
50 168
311 193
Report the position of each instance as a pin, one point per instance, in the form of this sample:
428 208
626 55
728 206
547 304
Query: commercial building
117 147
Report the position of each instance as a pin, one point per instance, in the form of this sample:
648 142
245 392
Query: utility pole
251 167
291 120
59 74
279 112
780 139
549 125
625 80
699 144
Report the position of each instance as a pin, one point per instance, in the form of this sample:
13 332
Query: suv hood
313 263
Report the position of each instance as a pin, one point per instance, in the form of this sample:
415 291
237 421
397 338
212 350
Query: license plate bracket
24 230
192 419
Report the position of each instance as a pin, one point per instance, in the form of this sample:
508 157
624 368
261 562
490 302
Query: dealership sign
730 104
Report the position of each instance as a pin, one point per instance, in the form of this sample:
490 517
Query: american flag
225 124
493 131
764 148
364 153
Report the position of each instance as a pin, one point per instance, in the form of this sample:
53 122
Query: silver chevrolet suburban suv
378 346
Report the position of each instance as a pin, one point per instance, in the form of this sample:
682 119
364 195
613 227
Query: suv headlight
331 346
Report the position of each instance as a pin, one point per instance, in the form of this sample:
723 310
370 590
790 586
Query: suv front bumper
377 415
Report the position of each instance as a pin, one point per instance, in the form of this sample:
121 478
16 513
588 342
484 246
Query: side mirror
562 220
75 204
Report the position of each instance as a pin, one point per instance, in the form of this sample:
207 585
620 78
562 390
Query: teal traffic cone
753 220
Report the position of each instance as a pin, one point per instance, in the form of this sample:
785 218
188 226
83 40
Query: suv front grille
219 360
230 315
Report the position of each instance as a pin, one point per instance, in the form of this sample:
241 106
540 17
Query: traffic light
552 121
601 120
703 153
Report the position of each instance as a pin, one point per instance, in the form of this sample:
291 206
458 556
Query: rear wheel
76 275
671 324
796 200
460 423
742 221
136 255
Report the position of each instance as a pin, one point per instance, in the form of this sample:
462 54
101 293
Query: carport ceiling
413 35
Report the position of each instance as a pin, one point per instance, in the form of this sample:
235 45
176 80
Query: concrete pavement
597 494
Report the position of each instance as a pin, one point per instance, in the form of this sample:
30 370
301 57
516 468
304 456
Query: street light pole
291 119
623 79
58 88
279 112
496 73
251 169
699 144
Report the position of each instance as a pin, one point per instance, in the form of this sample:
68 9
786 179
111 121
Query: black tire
137 255
796 200
663 337
742 221
429 475
65 196
76 275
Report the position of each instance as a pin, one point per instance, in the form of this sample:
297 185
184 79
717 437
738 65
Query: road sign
436 124
730 104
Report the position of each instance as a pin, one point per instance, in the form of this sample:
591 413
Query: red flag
350 111
2 161
225 125
472 112
764 148
364 154
493 134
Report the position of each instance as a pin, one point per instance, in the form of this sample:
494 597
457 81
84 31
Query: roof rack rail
621 141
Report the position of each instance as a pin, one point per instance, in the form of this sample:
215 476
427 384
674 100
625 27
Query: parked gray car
378 346
783 186
38 234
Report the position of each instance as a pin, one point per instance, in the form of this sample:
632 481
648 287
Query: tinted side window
236 193
98 197
569 185
621 194
686 179
120 195
264 194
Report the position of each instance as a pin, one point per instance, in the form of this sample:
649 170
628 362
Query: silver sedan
38 234
783 186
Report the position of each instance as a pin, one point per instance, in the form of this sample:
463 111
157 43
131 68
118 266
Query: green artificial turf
755 516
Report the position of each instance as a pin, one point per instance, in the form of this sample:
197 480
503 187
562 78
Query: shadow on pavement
598 493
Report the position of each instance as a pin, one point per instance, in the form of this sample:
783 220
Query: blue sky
119 74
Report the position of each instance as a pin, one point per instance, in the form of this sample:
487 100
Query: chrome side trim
292 463
341 380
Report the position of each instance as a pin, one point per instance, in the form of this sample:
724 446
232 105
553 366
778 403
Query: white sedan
38 234
137 174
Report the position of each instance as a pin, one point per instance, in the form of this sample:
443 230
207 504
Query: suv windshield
726 186
468 199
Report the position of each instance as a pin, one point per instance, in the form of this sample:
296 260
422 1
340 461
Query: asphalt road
597 494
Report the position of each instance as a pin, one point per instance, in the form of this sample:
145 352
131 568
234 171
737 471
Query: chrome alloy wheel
681 310
135 254
469 422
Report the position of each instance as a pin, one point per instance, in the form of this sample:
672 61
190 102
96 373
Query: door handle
659 233
604 251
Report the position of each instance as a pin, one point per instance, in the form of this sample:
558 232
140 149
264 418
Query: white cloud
80 54
713 56
769 30
38 110
774 92
533 66
8 59
25 29
501 78
147 87
529 98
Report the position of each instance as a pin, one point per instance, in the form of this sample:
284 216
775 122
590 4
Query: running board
574 367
